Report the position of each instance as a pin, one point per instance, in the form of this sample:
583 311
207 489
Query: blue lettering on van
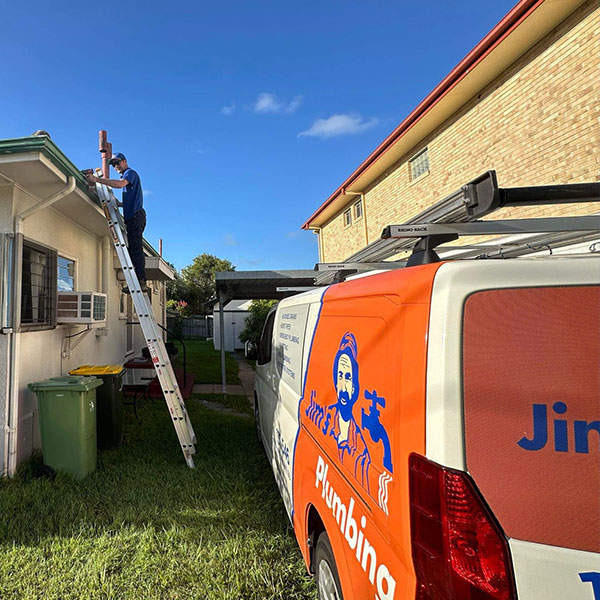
282 448
540 430
594 579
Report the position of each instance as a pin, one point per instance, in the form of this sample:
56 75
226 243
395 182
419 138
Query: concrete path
246 375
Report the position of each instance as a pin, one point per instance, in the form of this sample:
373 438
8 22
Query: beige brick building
525 102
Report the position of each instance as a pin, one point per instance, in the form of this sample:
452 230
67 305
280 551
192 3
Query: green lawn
238 404
205 362
145 526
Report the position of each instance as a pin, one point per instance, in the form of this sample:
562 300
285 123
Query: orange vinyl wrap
381 324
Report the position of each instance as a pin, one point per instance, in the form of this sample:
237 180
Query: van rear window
531 375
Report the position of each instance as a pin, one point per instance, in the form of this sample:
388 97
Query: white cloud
228 110
294 105
147 192
292 234
230 240
344 124
270 103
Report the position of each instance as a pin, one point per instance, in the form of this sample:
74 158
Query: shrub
259 309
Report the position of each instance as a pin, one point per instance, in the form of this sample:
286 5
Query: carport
257 285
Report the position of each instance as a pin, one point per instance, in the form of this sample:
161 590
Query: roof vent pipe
41 132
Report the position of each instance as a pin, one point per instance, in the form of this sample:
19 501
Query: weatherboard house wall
536 122
75 227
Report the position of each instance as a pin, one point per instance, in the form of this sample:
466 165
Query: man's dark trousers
135 229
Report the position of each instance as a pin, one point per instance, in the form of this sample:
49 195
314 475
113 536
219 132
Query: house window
38 286
419 164
347 218
66 274
358 210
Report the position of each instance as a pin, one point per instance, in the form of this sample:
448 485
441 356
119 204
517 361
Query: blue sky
241 118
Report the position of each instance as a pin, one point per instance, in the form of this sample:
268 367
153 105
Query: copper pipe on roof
103 147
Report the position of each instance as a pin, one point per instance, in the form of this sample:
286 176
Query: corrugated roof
45 145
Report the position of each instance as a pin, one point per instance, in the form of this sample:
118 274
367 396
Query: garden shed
235 314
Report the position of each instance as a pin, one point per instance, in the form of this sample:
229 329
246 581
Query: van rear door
519 401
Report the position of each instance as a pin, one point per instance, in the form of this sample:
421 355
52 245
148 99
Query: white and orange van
435 430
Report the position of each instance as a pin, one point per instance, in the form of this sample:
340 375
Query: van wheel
257 423
326 573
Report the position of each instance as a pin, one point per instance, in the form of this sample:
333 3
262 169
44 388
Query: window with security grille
419 164
38 286
347 218
66 274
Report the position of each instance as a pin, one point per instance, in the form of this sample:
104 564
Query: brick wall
538 123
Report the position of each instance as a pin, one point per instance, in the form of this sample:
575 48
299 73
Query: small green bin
109 417
67 408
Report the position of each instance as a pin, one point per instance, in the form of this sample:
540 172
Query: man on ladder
133 270
133 211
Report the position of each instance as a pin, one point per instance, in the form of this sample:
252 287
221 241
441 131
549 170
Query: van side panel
505 336
362 414
531 364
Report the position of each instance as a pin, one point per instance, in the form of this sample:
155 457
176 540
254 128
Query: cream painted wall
40 353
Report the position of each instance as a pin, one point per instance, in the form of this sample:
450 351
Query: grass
238 404
145 526
205 362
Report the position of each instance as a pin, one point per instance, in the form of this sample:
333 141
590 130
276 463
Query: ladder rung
143 308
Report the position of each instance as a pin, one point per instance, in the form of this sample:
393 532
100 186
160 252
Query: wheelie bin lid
98 370
67 383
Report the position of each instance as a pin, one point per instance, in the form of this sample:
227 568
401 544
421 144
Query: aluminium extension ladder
152 333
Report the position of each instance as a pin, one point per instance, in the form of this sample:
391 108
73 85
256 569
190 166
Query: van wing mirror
251 350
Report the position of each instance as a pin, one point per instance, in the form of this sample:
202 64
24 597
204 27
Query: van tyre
326 573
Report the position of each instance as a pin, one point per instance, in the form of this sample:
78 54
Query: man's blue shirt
133 199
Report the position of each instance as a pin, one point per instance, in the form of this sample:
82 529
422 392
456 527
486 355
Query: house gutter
514 18
13 392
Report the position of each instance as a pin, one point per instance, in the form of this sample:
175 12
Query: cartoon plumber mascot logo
338 421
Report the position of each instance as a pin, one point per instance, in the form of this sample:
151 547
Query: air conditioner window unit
81 307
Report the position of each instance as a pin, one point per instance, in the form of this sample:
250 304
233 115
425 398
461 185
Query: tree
198 281
177 289
259 309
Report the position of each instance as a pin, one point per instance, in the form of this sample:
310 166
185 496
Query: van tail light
459 551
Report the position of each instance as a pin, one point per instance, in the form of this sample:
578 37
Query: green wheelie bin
109 400
67 409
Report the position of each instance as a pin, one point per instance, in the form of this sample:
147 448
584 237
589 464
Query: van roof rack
457 215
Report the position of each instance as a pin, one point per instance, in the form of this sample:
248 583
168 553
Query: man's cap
116 158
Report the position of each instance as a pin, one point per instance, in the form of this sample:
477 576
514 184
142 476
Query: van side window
266 340
290 328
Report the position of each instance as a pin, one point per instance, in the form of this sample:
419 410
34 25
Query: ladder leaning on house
152 333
